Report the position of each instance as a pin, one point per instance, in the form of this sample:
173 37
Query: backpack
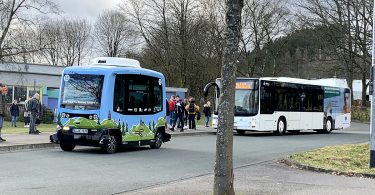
191 108
28 105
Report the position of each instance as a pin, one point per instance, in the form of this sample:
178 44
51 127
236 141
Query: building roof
27 74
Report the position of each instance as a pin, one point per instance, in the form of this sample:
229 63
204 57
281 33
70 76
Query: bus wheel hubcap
281 126
112 144
158 139
328 125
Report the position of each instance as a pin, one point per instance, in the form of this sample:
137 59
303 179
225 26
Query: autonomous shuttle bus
110 103
282 104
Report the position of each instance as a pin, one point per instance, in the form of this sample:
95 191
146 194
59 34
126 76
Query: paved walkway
26 141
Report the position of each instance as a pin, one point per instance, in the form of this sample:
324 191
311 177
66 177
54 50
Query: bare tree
50 35
13 14
348 28
223 183
112 33
75 36
263 21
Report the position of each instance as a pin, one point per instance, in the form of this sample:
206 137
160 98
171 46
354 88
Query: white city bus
282 104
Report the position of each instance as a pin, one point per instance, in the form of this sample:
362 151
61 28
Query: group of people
183 113
33 111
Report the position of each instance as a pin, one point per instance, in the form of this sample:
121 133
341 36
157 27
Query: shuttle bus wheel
67 147
281 126
111 146
158 140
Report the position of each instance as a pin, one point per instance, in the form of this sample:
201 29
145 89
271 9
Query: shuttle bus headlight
95 117
66 128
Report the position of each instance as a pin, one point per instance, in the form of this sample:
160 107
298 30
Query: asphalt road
87 171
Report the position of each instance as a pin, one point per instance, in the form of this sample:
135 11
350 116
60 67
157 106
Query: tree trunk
364 88
223 183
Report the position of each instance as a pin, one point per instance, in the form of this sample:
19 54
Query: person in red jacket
172 111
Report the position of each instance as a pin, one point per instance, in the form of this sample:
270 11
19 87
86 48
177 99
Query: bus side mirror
208 86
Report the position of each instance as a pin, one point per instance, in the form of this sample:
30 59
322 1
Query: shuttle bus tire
67 147
111 146
158 140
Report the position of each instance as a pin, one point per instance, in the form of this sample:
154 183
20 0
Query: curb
192 134
298 165
27 147
53 145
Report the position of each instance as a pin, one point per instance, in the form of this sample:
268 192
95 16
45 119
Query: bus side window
119 94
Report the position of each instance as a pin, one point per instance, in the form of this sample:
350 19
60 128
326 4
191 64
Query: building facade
24 80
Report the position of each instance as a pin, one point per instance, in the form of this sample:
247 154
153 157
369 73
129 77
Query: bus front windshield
246 98
81 91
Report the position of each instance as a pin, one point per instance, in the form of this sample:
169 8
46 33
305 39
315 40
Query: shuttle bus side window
119 94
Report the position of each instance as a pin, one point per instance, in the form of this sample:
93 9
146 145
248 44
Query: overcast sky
89 9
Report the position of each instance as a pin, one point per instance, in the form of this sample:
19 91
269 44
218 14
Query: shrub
361 114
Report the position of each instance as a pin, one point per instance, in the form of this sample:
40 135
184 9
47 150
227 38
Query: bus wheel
158 140
67 147
281 127
328 127
241 132
111 147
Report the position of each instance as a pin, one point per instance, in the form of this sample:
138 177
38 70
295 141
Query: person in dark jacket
35 110
14 112
3 92
207 112
180 110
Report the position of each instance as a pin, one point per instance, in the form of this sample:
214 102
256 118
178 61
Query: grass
353 158
8 129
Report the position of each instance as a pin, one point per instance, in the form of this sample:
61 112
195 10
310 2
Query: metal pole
35 82
372 127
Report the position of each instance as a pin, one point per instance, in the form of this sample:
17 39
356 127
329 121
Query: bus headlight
63 115
90 117
95 117
253 123
66 128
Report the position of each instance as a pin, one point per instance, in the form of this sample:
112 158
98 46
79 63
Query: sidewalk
26 141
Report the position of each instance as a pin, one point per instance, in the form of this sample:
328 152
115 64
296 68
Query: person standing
14 112
180 110
34 109
26 113
207 112
3 92
172 111
193 110
186 114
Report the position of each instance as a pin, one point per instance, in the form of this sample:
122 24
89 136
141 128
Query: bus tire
112 145
281 126
241 132
328 126
67 147
158 140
